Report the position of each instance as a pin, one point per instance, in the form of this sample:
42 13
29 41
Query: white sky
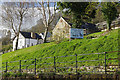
26 24
33 21
58 0
29 22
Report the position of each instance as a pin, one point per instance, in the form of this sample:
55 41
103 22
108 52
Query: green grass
105 41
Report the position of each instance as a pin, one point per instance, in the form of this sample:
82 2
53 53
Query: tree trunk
45 35
16 45
109 26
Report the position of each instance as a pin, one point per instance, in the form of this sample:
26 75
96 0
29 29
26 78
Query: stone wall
61 30
103 25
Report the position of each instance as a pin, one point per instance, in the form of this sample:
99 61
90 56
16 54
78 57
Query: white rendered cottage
27 39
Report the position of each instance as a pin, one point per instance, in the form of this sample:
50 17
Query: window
32 44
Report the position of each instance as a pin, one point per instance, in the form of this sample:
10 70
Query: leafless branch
53 15
48 16
49 13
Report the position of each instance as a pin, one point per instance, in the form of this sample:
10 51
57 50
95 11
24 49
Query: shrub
25 74
18 74
70 69
118 72
6 75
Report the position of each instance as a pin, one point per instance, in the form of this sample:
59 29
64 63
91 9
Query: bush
6 75
70 69
18 74
6 47
25 74
118 72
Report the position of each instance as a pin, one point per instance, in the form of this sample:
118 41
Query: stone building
64 29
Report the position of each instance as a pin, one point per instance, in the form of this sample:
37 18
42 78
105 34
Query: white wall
30 42
21 42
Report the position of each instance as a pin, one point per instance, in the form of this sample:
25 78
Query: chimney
32 34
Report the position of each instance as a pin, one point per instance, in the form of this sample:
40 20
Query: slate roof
67 20
28 35
88 26
84 26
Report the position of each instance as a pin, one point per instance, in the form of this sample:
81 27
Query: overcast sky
28 23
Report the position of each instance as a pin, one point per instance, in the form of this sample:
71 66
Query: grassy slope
105 42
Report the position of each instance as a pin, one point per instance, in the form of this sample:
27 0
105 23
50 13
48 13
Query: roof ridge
28 35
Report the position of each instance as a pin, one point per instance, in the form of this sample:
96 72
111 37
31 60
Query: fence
105 62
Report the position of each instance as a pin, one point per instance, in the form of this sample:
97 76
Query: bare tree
47 14
13 14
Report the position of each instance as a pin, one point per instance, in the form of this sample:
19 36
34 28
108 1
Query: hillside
102 42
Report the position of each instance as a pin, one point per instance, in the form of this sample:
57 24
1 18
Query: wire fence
79 63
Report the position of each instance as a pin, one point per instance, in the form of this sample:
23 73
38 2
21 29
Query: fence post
98 56
98 59
6 67
35 66
54 64
20 66
26 68
76 62
105 63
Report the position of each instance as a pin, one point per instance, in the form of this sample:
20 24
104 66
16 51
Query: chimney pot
32 34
